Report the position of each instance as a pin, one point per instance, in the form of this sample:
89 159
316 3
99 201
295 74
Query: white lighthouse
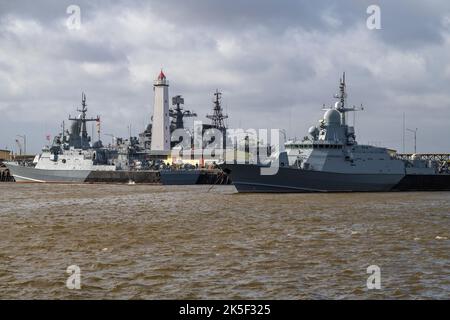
161 120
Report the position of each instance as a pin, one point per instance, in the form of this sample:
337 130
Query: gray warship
73 157
70 158
331 160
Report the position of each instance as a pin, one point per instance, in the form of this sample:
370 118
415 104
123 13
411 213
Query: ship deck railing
315 144
442 157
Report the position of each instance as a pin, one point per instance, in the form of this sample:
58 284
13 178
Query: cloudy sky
276 62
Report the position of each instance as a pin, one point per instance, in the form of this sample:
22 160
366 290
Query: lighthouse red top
161 76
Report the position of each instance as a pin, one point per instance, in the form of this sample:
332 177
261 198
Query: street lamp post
24 138
113 137
415 138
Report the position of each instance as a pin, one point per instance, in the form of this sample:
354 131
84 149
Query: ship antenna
63 129
342 89
342 97
217 118
83 120
83 102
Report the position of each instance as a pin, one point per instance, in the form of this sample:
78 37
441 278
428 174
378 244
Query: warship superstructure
331 160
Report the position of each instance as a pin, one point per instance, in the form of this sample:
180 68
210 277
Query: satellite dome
313 131
332 116
338 105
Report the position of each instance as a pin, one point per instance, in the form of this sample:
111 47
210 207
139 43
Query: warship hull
248 178
424 182
180 177
23 174
31 174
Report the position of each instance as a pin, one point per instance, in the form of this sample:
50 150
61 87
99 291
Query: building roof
161 76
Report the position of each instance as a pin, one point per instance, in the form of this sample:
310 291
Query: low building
5 155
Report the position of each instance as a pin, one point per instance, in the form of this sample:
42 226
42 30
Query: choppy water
140 241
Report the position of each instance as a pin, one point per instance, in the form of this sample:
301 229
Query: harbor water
195 242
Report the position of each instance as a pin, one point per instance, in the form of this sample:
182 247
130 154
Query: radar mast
217 118
178 113
341 104
82 120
